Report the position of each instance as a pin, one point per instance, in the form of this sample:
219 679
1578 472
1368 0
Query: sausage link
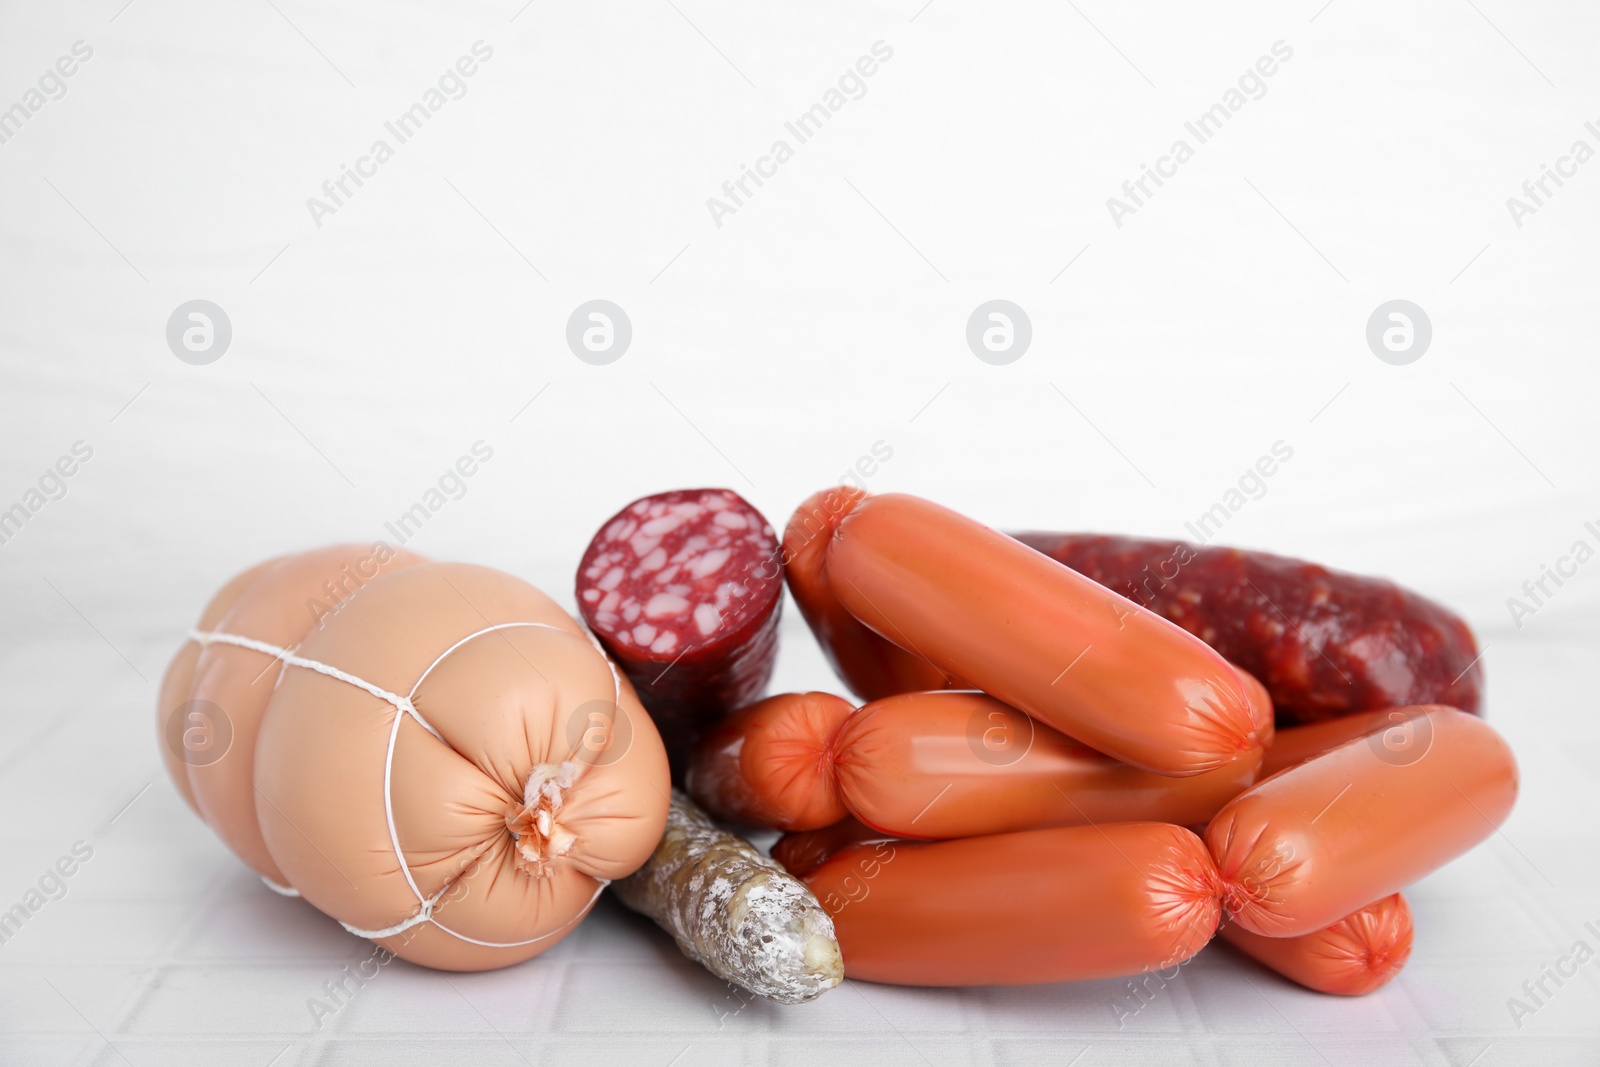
1059 905
771 764
1296 744
1355 955
1320 840
962 764
1038 636
933 765
869 666
731 909
803 851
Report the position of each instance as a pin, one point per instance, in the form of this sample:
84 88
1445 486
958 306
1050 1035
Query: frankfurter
1325 643
1295 744
1320 840
684 589
803 851
870 666
943 764
1355 955
1058 905
772 764
1038 636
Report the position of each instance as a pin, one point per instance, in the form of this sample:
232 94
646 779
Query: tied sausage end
1354 956
1370 947
773 764
871 666
1185 891
1255 873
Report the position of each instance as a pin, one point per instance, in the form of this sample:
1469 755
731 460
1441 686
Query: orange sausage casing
1293 745
869 665
803 851
934 765
1057 905
1355 955
1038 636
1314 843
771 764
960 764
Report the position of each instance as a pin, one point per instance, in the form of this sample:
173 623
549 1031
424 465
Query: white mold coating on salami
668 575
735 910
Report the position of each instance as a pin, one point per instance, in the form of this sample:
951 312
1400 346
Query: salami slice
684 589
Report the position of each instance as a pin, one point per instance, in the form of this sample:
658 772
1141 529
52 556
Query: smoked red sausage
1325 643
935 765
1061 905
1355 955
1313 843
683 589
1038 636
869 665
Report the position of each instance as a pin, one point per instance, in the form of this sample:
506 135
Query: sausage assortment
1041 704
1071 756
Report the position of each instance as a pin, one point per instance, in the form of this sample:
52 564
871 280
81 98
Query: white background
770 353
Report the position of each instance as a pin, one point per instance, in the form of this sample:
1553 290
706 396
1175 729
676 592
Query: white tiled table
166 951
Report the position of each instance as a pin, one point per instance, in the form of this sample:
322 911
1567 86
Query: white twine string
403 706
281 890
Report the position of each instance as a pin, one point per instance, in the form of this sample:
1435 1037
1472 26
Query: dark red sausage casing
684 590
1324 643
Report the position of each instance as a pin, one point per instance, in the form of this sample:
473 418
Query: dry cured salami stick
734 910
